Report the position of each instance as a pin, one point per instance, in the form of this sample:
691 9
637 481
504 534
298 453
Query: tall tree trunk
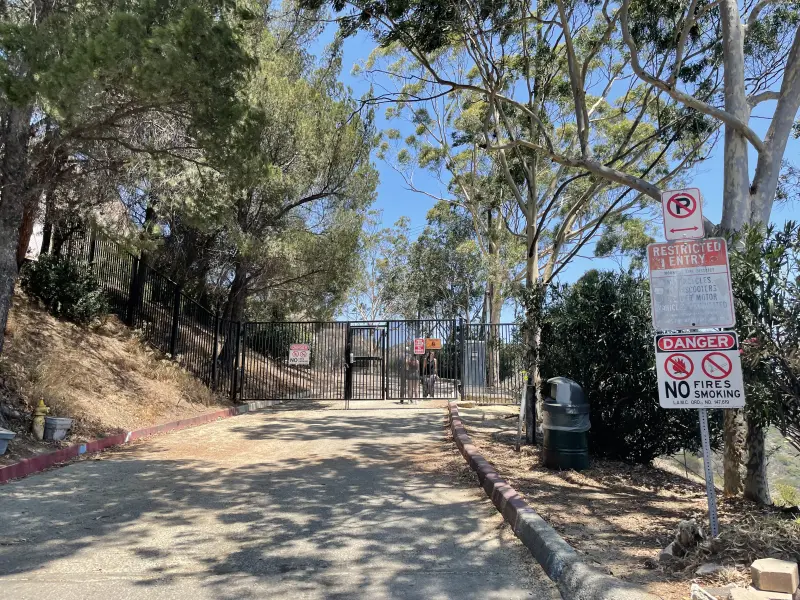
145 260
234 310
734 439
756 487
765 179
26 229
47 229
494 301
735 202
14 192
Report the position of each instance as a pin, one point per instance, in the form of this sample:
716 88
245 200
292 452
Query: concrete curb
576 579
41 462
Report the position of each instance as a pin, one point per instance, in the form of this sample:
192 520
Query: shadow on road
364 504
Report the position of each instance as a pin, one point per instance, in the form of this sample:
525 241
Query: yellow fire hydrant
38 420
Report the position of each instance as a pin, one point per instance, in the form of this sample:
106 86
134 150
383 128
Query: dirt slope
103 377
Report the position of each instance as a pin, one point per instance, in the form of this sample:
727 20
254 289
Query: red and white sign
699 370
683 215
690 285
419 345
299 354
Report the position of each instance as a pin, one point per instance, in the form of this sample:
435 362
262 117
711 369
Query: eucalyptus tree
665 76
381 286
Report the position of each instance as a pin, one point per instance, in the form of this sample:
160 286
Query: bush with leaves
69 290
598 333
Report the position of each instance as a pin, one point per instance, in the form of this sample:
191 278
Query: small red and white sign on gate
299 354
699 370
419 345
683 215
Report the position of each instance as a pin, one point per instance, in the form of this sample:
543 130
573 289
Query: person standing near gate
409 375
429 372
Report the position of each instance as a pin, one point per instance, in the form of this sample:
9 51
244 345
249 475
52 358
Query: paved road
283 504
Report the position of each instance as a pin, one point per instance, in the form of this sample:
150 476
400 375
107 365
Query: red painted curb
36 464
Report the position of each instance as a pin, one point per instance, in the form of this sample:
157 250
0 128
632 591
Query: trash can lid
566 391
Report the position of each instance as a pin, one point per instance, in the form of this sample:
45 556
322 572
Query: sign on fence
433 344
299 354
699 370
683 215
419 345
690 285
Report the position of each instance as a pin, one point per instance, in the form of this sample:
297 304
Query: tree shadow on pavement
377 515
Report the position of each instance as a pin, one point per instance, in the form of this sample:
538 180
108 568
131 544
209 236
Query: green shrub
67 289
598 333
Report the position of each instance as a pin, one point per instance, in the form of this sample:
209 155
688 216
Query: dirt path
288 504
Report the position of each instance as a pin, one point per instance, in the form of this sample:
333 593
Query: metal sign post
711 491
690 289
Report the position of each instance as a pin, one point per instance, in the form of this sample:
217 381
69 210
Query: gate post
348 368
176 314
235 378
461 357
215 351
130 314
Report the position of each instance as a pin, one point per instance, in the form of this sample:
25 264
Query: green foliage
597 332
765 266
67 289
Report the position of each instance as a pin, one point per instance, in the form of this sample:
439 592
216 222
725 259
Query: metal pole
710 489
215 351
176 315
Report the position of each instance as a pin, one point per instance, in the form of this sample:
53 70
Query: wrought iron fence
348 360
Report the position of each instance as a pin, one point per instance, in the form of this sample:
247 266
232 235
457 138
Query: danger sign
699 370
299 354
433 344
683 217
419 345
690 285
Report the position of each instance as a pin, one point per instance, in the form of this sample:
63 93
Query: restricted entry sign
683 216
699 370
419 345
299 354
690 285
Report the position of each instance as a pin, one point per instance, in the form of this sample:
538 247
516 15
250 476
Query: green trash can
565 422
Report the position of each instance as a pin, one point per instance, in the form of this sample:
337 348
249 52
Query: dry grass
104 377
751 532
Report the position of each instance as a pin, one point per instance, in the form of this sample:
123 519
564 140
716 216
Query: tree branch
682 97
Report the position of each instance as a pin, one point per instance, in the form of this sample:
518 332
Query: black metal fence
348 360
167 318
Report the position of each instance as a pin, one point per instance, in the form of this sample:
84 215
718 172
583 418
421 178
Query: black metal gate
348 360
376 360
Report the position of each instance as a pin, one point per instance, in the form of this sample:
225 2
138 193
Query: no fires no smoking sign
699 370
683 215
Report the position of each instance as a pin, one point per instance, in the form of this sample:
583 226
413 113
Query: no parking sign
683 214
699 370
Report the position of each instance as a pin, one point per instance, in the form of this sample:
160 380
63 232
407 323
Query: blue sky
395 201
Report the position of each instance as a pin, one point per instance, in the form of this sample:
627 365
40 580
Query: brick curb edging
576 580
39 463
